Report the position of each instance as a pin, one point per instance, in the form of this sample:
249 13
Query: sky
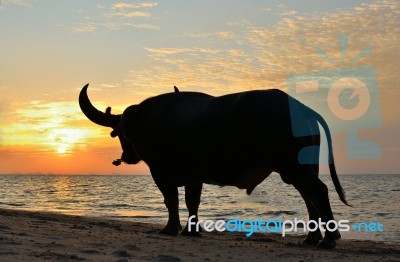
131 50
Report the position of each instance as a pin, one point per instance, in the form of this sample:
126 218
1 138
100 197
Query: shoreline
38 236
139 219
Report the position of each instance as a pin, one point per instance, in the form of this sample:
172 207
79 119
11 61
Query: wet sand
39 236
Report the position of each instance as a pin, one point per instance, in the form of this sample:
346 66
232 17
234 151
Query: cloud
115 17
132 14
24 3
374 25
52 126
108 85
145 26
124 10
221 34
263 57
211 70
226 34
257 57
163 52
289 13
85 27
122 5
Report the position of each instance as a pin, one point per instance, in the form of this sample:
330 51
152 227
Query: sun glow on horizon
61 150
65 140
58 126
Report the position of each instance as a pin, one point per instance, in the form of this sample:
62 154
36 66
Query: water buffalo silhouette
191 138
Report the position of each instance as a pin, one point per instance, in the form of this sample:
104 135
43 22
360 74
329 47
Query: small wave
138 217
278 212
114 205
224 214
15 204
382 214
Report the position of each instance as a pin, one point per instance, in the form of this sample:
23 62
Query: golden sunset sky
129 51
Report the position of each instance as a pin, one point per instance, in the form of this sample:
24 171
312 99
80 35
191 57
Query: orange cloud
115 17
133 6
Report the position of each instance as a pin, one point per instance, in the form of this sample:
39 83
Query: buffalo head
107 119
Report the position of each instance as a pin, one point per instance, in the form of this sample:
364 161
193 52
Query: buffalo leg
171 201
314 237
313 189
192 198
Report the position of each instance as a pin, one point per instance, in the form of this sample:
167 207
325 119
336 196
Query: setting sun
61 150
65 140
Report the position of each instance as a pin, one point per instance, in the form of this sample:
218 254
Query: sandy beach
38 236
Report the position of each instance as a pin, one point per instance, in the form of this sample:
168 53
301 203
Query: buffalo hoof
335 235
171 230
313 238
327 243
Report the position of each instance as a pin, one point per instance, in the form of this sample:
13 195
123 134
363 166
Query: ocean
375 198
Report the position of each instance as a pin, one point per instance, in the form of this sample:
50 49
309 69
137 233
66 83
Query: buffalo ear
176 89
